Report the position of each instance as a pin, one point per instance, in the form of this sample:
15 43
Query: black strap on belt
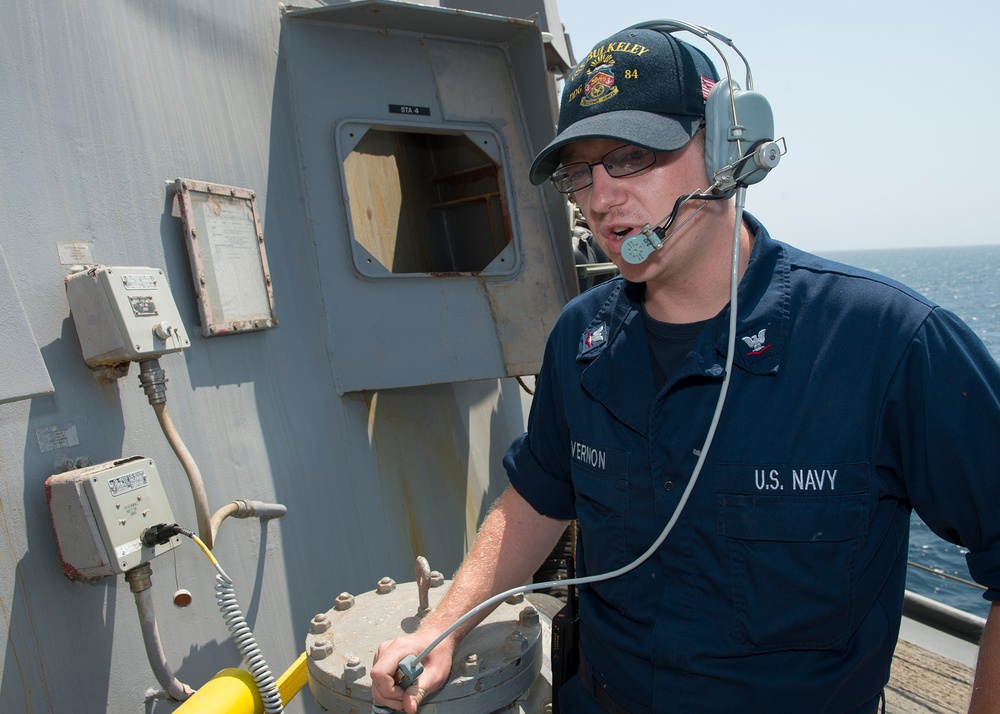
598 692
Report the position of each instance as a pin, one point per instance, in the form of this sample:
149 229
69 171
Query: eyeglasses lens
620 162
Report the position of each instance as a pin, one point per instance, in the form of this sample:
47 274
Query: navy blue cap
640 86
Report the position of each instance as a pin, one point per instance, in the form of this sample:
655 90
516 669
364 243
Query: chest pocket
602 509
793 564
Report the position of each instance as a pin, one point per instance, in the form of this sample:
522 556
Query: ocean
966 280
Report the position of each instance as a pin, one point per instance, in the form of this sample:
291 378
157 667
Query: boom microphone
639 246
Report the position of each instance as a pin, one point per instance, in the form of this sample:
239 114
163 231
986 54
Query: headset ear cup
756 123
755 114
719 151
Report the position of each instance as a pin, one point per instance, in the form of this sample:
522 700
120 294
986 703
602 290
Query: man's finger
412 698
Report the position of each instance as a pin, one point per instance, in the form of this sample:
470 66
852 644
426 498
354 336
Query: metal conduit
154 383
140 582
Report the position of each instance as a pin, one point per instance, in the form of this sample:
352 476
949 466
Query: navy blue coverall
853 400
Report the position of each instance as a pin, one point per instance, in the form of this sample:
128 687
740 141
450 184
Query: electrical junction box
100 512
124 314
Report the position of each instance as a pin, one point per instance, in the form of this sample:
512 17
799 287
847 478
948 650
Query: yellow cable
204 549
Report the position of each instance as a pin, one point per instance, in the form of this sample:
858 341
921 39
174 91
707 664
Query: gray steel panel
544 12
432 329
420 19
104 104
24 374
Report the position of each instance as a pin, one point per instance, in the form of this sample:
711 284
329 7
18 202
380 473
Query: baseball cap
641 86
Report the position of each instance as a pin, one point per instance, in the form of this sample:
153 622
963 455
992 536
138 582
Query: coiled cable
240 632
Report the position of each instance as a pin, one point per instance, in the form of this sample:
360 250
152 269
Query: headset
740 148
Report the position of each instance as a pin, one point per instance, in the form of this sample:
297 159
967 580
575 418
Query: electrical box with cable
100 512
123 315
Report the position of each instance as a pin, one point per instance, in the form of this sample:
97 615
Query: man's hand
437 668
512 543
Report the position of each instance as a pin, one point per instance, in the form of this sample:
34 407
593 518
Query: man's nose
605 190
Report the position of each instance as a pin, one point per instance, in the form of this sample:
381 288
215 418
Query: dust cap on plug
163 330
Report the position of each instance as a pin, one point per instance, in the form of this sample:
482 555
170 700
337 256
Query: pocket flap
793 518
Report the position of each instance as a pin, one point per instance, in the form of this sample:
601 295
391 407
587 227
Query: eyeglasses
623 161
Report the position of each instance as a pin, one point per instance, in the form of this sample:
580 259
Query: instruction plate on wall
228 264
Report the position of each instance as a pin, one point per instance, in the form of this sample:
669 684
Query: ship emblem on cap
600 85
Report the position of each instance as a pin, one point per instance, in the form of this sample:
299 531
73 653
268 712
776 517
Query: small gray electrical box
124 314
100 512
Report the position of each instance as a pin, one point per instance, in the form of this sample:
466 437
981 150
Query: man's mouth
617 235
620 234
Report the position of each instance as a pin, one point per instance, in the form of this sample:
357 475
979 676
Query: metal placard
228 264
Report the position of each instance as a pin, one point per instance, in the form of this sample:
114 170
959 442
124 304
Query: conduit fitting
153 381
139 578
242 508
249 509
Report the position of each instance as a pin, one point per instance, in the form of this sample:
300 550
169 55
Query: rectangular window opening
427 203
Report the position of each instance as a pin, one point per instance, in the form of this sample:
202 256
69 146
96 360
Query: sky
890 111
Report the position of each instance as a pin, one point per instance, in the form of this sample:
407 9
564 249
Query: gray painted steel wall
103 104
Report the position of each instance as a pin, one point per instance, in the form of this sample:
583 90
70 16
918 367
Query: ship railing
940 616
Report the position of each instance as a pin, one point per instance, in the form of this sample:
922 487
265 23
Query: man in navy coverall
852 401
